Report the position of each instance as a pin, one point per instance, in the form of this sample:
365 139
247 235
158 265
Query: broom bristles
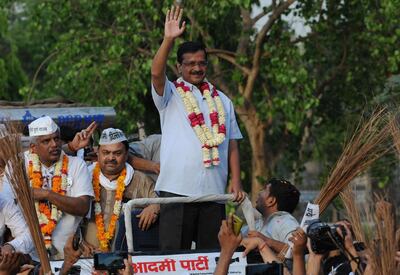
11 153
347 196
384 246
368 143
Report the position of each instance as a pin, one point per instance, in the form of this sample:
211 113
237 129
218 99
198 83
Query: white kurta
79 184
11 216
181 160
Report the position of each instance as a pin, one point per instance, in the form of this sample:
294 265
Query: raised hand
299 240
173 27
82 139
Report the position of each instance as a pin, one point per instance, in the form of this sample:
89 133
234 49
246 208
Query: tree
12 76
285 88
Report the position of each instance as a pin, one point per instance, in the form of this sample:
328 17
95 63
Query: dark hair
189 47
126 143
286 194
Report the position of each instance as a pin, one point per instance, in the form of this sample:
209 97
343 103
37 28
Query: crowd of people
196 153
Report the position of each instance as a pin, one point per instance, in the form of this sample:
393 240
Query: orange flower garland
106 236
48 214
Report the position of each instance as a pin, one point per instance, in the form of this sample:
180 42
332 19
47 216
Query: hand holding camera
114 262
228 239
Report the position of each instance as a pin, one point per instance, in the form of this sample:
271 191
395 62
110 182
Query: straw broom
369 142
384 242
354 215
384 246
11 153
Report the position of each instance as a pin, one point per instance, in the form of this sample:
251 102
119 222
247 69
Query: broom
11 153
369 142
354 215
384 245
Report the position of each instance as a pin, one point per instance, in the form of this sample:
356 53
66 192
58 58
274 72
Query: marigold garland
104 236
48 214
210 139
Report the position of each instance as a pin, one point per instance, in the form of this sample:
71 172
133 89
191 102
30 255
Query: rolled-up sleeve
15 221
162 101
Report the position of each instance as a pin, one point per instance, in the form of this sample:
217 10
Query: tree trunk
255 129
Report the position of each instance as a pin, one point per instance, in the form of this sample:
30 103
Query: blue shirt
181 160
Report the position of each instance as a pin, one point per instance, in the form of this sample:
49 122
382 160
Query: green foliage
12 77
99 52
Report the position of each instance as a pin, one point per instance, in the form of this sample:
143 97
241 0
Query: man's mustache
111 162
197 72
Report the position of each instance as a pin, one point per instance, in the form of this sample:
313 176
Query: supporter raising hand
299 240
228 242
82 138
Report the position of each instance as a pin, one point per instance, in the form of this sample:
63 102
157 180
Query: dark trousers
182 223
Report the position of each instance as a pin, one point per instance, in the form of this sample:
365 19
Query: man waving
199 141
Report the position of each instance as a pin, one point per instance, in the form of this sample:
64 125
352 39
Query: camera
110 261
324 237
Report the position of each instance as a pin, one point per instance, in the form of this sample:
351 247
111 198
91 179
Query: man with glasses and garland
199 142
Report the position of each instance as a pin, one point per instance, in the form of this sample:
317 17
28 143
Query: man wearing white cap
114 181
61 185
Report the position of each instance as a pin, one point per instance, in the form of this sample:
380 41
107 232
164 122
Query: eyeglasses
194 63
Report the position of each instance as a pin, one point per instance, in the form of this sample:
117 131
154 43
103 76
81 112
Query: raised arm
172 30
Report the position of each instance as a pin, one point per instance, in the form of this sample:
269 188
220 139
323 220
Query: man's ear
179 67
32 146
270 201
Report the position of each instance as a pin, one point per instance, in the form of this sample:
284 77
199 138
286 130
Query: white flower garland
210 139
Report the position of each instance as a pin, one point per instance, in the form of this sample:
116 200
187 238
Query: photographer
343 260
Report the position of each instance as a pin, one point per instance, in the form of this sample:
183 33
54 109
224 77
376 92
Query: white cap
111 136
42 126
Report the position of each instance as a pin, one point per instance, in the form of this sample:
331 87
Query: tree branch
230 59
244 38
334 73
303 38
215 51
265 11
202 31
259 43
267 26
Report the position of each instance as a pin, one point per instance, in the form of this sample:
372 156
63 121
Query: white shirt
11 216
79 184
181 160
277 226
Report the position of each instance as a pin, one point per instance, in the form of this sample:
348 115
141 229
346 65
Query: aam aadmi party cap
111 136
42 126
